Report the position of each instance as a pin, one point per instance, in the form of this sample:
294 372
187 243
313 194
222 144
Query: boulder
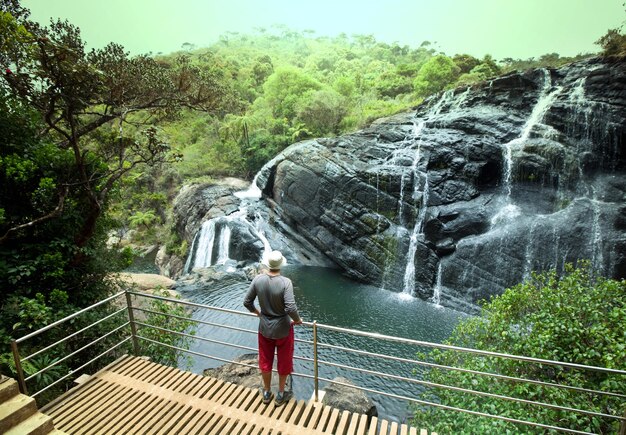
244 372
346 398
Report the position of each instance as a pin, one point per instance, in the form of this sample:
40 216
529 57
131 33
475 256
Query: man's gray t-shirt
275 294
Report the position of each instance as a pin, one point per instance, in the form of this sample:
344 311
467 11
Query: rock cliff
471 191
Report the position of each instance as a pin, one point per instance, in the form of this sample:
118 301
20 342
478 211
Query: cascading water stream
215 234
409 272
544 102
436 298
267 249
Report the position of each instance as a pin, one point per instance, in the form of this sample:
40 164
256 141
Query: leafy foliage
167 316
575 319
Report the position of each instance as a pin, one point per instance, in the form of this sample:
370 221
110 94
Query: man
277 315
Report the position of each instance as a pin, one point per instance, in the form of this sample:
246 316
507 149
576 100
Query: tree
465 62
575 318
86 101
284 89
439 72
322 111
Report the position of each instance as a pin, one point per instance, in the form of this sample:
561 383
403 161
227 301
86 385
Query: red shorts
284 350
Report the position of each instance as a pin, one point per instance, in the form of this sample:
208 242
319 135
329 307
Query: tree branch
57 211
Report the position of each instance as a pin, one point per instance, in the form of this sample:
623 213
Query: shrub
575 318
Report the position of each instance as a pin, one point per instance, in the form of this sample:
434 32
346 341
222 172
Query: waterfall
253 191
211 245
224 242
436 298
409 272
267 249
544 102
205 242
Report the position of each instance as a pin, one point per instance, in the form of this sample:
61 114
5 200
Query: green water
329 298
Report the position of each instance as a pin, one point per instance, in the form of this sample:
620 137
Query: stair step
8 389
16 410
37 424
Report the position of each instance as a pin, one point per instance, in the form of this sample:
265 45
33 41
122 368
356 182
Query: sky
503 28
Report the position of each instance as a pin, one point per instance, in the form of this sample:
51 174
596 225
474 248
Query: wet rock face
473 190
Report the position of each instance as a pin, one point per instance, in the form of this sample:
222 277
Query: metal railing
318 347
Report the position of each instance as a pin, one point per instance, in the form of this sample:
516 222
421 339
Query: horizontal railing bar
193 304
475 372
74 334
452 408
210 340
474 392
468 350
204 322
402 340
65 319
183 334
213 357
81 367
77 351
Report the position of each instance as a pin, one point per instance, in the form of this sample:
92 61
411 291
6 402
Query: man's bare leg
267 380
282 380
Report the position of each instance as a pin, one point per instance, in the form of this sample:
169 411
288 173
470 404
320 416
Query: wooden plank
212 423
136 368
306 415
113 412
404 430
354 423
83 414
138 424
393 430
384 427
151 374
246 400
315 417
413 431
296 413
373 429
343 423
92 413
195 426
178 379
225 428
321 425
362 424
142 403
83 392
423 432
157 420
332 422
178 419
59 401
236 395
287 410
195 382
238 428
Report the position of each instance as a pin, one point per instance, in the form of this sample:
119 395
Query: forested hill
292 86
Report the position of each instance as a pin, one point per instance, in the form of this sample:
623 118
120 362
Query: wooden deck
134 395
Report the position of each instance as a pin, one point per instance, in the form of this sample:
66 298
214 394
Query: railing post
18 368
133 326
315 378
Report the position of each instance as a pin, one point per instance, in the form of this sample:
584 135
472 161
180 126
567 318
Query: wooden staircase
19 414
